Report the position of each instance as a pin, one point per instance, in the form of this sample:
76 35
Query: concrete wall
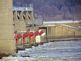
21 20
19 23
7 42
60 31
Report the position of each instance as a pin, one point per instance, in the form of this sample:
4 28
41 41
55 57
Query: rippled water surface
62 50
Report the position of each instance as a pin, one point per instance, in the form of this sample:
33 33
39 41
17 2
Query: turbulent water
58 51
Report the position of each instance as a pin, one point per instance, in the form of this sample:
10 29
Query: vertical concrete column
16 20
22 25
7 42
27 14
31 15
27 18
21 16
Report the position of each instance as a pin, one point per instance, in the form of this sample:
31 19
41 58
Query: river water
58 51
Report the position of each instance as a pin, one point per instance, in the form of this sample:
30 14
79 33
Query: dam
19 20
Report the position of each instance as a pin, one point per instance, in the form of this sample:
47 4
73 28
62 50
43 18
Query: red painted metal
17 37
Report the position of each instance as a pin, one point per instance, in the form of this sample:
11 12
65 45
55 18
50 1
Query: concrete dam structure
54 29
63 29
20 19
7 42
22 16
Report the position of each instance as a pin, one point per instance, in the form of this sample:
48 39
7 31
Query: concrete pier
7 42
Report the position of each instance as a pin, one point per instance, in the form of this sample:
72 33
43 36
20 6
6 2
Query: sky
54 9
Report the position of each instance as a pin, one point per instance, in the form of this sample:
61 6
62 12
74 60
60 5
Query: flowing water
55 51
